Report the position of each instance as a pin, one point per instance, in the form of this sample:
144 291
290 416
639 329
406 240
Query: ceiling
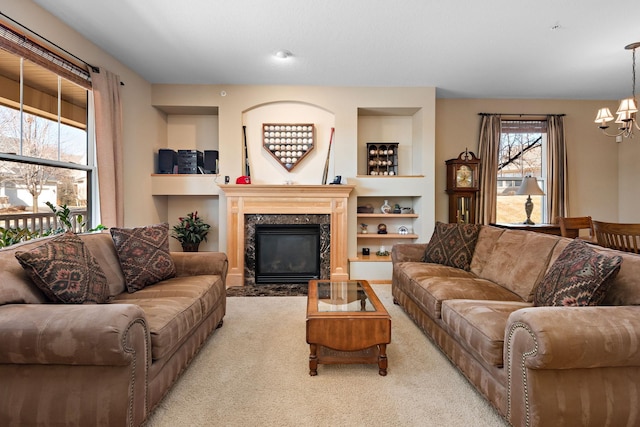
568 49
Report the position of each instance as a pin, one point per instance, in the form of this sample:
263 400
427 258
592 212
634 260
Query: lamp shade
604 115
624 116
627 106
530 187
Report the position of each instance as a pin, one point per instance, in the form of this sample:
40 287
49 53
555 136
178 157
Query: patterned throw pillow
579 276
144 256
65 271
452 245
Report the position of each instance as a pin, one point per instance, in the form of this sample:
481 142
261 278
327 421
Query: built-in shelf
185 185
389 177
375 215
386 236
370 258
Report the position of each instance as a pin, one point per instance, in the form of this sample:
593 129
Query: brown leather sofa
538 366
102 364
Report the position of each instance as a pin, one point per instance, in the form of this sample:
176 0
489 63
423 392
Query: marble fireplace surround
251 199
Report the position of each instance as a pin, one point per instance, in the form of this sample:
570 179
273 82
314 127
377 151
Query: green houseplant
190 231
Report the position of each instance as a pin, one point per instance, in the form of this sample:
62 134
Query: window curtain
557 202
108 112
488 147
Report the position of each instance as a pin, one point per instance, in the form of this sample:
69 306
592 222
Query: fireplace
302 201
287 253
268 229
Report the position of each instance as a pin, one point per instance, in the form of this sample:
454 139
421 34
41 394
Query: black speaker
167 160
211 161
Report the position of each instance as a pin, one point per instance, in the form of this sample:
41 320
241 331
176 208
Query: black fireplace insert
287 253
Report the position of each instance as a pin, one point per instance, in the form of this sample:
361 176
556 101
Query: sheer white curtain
108 119
488 148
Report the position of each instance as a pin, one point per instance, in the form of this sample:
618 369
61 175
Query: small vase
386 207
190 247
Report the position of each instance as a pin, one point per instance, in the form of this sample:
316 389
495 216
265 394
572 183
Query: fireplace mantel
286 199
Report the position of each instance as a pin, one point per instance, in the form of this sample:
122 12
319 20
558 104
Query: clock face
464 176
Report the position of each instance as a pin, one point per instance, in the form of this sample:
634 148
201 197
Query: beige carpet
254 372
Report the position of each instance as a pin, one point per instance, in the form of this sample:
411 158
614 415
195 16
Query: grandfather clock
463 184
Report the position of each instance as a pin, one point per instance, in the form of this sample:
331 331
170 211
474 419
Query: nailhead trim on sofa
534 351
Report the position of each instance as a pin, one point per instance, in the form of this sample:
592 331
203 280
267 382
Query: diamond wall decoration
288 143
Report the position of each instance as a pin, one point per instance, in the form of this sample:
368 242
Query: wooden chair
623 237
571 226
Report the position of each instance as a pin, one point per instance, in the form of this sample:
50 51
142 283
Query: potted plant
190 231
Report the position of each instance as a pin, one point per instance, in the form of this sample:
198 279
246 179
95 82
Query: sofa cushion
208 289
174 307
479 326
419 270
519 261
429 293
66 271
452 245
16 287
487 239
144 254
101 246
170 320
578 277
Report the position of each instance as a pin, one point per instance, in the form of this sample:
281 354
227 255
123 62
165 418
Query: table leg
313 360
382 359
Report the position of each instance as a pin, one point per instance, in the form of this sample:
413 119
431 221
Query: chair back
571 226
623 237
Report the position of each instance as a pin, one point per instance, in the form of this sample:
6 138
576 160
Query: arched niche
265 169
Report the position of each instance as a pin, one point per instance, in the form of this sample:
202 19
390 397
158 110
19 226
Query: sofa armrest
405 252
198 263
573 363
578 337
66 334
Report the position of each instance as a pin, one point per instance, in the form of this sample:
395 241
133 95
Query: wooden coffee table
346 323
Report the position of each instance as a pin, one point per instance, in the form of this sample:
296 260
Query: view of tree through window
44 155
522 153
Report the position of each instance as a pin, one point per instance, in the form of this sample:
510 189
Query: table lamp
529 187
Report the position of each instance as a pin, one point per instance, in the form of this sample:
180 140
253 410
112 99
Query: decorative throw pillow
143 253
65 271
452 245
579 276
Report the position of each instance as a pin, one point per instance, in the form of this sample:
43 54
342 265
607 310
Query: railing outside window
40 221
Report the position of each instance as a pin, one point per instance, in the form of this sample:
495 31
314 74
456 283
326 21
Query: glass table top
343 297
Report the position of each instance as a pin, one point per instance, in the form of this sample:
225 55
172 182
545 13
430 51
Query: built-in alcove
310 169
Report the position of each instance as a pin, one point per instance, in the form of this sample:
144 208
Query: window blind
524 126
19 44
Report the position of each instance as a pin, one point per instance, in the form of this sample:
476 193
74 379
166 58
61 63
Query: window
44 137
522 153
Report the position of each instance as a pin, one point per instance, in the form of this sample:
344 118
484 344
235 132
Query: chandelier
627 109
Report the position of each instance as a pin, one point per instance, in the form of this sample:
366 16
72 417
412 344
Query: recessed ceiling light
283 54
